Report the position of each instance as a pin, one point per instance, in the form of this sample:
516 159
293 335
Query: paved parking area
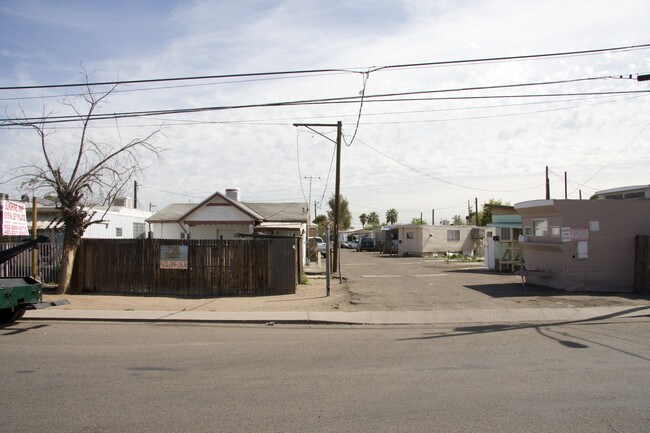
387 284
380 282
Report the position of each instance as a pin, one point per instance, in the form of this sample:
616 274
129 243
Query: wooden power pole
337 192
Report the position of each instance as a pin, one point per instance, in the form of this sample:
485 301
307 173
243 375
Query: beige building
425 240
586 245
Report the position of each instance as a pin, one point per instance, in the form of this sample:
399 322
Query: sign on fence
14 219
173 257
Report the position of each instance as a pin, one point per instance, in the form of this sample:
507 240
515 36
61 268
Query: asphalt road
382 282
118 377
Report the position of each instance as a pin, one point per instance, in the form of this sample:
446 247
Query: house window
555 232
138 230
540 227
118 232
410 235
505 234
453 235
182 235
528 231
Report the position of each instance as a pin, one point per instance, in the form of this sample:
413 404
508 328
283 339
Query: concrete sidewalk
460 298
435 317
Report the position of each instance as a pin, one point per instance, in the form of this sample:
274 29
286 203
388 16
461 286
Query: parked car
366 244
320 244
353 244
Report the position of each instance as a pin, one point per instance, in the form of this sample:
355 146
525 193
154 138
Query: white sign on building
14 219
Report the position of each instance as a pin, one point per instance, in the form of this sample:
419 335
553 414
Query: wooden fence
251 267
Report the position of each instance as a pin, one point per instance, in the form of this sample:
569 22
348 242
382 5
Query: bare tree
93 173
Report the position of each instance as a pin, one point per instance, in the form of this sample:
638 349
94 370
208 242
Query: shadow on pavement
515 290
542 329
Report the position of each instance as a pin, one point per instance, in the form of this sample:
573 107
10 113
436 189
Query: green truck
19 294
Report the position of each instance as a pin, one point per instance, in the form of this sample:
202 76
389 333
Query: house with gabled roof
225 216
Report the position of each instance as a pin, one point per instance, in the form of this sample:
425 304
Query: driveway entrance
387 283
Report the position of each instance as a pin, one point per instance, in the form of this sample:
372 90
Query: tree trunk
71 242
65 272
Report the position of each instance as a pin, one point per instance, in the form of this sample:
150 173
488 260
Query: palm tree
373 219
391 216
363 218
345 217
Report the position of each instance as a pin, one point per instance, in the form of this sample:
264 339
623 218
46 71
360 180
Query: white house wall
171 230
219 231
426 240
120 218
219 213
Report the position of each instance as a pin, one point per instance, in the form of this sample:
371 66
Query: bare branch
95 172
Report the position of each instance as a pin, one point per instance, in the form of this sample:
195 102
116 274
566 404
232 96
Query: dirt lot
374 282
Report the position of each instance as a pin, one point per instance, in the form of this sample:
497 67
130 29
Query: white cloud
496 150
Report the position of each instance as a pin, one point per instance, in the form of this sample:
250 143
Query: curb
386 318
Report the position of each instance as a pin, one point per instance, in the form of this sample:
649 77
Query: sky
426 157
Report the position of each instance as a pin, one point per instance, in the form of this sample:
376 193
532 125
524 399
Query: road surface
132 377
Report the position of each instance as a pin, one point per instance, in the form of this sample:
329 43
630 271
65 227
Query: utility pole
548 186
337 192
476 211
566 194
308 209
35 235
433 217
135 194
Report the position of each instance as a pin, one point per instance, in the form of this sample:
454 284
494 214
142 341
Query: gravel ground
308 297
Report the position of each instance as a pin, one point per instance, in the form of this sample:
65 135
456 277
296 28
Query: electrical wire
29 121
182 86
282 121
298 159
170 192
363 92
438 178
330 70
495 116
614 157
329 174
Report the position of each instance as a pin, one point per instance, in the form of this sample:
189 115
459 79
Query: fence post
328 258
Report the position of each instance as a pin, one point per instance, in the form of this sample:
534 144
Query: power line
27 121
514 58
613 157
162 80
180 86
341 70
438 178
283 120
170 192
